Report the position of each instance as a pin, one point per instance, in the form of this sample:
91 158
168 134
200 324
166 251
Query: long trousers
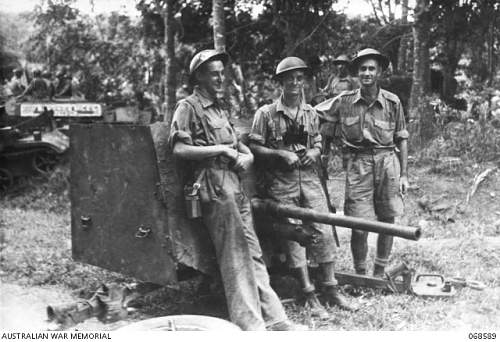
252 303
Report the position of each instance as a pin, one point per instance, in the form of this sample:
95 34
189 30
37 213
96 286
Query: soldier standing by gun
202 134
370 124
286 142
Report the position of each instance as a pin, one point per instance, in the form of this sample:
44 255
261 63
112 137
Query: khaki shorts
304 190
372 185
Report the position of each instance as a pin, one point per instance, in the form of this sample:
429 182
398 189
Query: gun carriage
128 207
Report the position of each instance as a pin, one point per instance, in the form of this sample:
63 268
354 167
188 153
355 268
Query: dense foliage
114 57
113 54
106 53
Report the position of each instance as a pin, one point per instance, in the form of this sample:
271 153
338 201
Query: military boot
311 301
333 297
378 271
315 307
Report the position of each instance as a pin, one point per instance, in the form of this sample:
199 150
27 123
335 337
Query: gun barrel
273 208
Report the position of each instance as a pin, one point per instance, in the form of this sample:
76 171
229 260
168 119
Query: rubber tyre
181 323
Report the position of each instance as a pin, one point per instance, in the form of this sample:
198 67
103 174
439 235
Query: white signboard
73 109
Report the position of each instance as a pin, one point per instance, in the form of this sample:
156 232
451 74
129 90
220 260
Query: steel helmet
290 63
205 56
369 53
342 59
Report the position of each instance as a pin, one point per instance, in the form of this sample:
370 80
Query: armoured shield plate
118 221
190 240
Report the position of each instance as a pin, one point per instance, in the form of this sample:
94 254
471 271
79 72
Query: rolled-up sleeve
328 112
183 124
400 132
258 133
326 109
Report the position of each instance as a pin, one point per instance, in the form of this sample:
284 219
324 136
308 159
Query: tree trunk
170 74
405 40
449 82
390 11
219 25
491 46
452 51
419 113
234 91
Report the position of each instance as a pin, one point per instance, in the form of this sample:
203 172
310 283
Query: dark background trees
115 56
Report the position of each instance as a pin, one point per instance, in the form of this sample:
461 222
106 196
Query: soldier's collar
280 107
379 99
205 99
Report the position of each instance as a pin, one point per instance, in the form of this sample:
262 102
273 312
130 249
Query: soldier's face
293 82
211 78
369 72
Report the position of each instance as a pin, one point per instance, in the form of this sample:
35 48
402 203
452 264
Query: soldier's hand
403 185
230 153
311 156
290 158
243 162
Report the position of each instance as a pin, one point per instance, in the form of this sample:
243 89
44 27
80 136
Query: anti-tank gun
128 212
274 209
126 189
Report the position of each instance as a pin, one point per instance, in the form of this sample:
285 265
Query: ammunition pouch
192 198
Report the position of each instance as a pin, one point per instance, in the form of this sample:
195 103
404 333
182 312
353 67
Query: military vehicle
30 147
64 111
32 143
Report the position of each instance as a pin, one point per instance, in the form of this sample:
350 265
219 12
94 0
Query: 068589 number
482 336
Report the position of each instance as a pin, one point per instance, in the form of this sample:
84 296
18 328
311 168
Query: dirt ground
459 239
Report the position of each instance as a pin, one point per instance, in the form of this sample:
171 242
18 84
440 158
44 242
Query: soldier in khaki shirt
369 123
202 135
286 142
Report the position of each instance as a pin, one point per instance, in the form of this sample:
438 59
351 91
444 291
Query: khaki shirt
359 124
210 126
272 121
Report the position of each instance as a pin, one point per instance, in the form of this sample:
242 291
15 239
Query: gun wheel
6 180
44 162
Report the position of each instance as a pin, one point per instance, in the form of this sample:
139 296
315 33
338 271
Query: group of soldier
42 85
286 142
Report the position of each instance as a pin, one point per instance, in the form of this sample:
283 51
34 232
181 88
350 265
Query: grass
35 246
